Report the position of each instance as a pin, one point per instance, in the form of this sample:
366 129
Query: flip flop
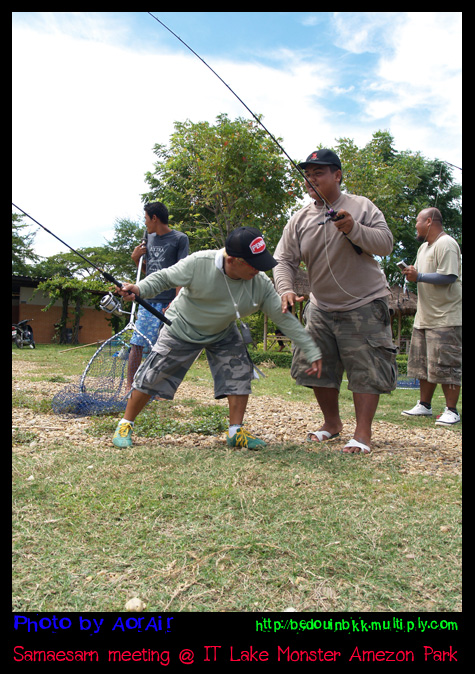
364 449
321 436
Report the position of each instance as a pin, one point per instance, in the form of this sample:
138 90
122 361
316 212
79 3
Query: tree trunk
75 335
63 336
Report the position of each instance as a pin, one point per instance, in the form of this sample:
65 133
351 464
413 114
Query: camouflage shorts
358 342
436 355
165 368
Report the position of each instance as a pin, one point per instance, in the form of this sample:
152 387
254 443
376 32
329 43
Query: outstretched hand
289 299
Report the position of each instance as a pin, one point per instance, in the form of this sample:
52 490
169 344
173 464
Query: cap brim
262 262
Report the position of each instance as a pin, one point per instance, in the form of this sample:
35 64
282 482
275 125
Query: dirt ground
431 451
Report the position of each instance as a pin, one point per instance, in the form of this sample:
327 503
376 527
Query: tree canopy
23 254
70 290
400 184
214 178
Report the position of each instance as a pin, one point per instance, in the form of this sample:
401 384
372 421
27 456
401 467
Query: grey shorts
164 369
436 355
358 342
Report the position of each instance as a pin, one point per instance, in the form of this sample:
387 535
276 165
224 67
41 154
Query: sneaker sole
237 446
122 442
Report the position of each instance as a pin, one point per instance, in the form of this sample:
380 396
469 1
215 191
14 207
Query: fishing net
104 385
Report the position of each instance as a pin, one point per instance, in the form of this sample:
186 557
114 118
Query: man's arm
287 254
434 278
373 237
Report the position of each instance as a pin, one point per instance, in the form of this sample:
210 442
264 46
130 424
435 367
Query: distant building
94 323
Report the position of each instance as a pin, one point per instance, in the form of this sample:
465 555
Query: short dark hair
158 209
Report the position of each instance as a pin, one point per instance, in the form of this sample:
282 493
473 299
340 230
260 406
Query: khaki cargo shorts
164 369
358 342
435 355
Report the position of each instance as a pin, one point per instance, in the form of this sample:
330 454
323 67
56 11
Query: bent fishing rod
106 275
331 213
326 203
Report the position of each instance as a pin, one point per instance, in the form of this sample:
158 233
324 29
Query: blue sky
94 91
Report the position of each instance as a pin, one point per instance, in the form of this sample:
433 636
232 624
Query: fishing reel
331 215
111 305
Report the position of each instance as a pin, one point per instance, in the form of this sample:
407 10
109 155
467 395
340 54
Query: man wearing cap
348 313
217 286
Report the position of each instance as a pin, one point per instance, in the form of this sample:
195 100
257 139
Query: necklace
438 237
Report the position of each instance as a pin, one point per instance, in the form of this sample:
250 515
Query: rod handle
139 300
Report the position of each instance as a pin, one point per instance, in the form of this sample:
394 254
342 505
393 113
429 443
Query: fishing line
106 275
325 201
331 213
438 185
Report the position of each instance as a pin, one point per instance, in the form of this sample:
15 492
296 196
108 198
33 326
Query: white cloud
414 88
87 111
83 134
360 32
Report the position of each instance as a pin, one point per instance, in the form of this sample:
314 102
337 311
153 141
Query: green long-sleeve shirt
204 310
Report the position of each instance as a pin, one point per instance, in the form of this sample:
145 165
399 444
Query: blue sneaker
123 435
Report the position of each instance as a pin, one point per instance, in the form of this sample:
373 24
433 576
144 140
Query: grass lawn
186 524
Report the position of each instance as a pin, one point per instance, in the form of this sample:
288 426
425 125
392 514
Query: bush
285 359
401 360
256 326
279 359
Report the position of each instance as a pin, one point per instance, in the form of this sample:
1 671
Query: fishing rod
106 275
326 203
331 213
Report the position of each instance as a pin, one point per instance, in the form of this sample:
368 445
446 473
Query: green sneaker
123 435
243 438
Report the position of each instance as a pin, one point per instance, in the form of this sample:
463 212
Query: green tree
216 178
23 254
73 281
113 257
127 235
437 187
77 292
71 265
400 184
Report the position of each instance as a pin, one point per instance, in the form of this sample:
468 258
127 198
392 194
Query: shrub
401 360
279 359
